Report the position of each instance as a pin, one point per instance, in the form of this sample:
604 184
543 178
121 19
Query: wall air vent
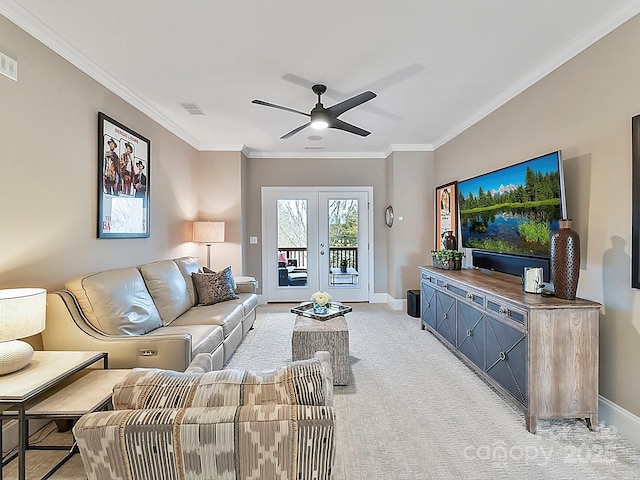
313 147
193 108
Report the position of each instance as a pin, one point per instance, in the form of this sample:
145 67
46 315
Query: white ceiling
437 66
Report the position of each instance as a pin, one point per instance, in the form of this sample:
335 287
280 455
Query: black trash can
413 303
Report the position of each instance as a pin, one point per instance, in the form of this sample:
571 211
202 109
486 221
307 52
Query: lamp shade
208 232
22 312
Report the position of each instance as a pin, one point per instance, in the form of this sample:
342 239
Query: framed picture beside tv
446 212
123 180
635 199
507 216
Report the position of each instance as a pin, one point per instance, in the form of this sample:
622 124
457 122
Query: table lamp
208 232
22 314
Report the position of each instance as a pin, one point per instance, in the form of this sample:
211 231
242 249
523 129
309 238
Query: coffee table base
310 336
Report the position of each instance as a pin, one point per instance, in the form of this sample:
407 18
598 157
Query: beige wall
410 176
220 199
585 109
48 207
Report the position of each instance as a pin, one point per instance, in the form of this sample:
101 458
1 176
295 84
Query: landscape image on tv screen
515 209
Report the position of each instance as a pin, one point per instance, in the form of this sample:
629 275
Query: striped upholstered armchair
227 424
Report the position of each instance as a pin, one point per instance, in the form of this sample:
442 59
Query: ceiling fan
321 117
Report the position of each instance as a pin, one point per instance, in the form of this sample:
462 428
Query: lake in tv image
514 209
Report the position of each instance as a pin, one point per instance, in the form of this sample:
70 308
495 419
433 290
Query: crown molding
314 154
580 43
411 147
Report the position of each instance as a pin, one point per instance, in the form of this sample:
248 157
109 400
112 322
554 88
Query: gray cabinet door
471 333
428 305
506 359
446 316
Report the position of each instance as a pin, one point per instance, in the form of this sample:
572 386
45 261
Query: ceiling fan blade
294 131
347 127
267 104
340 108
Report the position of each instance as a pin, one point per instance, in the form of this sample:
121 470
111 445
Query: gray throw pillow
214 287
208 270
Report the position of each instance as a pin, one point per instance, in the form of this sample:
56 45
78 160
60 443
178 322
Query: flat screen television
507 216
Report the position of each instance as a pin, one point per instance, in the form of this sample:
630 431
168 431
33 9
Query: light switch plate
253 240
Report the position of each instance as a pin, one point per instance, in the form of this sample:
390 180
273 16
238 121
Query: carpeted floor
412 410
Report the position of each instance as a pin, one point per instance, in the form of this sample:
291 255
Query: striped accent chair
227 424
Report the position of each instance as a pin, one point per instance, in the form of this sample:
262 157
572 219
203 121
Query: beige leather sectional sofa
147 316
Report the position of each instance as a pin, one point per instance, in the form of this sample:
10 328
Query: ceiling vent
193 108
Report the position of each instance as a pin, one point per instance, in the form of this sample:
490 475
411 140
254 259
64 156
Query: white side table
44 389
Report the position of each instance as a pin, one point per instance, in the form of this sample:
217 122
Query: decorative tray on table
334 309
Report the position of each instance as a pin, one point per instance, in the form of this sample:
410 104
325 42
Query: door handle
321 252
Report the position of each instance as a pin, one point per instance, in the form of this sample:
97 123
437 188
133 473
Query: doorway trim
268 191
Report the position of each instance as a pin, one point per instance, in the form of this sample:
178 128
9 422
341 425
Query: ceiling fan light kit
321 117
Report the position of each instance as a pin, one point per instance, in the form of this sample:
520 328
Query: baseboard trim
396 303
378 298
626 423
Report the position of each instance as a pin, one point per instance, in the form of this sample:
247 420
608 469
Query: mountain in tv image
512 210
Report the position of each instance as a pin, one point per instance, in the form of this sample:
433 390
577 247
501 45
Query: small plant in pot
343 265
447 259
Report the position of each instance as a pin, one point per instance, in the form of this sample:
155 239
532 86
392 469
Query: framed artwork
635 202
123 181
446 202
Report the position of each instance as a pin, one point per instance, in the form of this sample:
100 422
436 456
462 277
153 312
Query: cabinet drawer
505 310
426 277
464 292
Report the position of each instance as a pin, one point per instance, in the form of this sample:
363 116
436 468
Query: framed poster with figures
123 181
446 211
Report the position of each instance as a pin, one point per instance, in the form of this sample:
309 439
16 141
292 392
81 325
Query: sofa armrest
201 363
325 361
247 286
67 329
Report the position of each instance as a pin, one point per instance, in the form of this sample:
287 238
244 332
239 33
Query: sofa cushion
298 383
214 288
187 266
204 338
226 314
249 301
167 288
116 302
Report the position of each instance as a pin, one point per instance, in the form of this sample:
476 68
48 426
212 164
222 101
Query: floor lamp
208 233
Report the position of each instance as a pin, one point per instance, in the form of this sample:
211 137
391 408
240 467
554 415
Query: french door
316 239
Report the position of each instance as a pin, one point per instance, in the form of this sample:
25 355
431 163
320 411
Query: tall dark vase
449 241
565 261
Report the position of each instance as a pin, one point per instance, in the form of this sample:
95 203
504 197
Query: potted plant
447 259
343 265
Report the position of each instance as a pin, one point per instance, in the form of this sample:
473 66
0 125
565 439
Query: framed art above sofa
123 181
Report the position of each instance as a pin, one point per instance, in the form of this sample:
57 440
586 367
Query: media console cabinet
540 351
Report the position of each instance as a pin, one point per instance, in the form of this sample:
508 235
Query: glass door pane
343 242
292 242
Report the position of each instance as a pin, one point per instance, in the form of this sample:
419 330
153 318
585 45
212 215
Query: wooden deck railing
336 255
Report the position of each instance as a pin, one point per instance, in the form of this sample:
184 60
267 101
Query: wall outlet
8 66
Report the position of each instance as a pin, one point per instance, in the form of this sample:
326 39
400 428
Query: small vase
565 261
317 308
343 268
449 241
